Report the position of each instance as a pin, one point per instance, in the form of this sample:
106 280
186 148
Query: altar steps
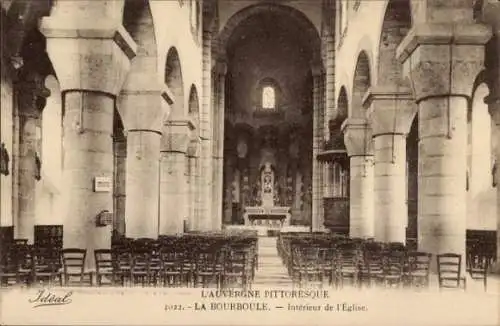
271 273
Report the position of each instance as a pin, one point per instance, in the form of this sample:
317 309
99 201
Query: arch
361 83
173 79
221 41
138 21
481 161
395 26
342 104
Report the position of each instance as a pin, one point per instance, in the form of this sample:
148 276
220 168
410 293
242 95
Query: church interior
198 142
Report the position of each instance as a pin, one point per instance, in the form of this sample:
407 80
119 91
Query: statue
267 176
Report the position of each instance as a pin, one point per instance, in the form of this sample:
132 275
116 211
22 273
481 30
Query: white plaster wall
173 29
364 27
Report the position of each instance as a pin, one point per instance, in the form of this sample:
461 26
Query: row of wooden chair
320 259
181 261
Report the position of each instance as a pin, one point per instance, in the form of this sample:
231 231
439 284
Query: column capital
390 110
145 109
177 135
357 137
443 59
89 59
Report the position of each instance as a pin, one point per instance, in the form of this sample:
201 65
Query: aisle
271 273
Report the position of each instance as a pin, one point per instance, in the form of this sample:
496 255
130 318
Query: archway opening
396 24
173 79
362 82
269 51
480 174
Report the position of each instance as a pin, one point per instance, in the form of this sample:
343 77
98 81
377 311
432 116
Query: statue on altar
267 182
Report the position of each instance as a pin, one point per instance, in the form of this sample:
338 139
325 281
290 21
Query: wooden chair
372 267
450 271
348 264
122 265
392 274
10 269
418 269
104 269
207 273
173 272
237 269
477 266
74 267
140 271
46 266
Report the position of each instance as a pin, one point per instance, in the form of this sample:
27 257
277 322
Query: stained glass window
268 98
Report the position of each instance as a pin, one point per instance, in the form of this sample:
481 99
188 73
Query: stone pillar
206 155
494 108
173 185
218 144
120 187
330 98
318 216
193 181
492 16
31 102
143 113
443 67
358 141
391 112
91 69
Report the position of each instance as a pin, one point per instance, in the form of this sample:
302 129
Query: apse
268 162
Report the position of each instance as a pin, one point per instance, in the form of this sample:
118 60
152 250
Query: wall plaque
103 184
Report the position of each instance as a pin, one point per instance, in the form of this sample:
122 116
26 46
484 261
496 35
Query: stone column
494 108
492 16
358 141
173 190
31 101
143 113
91 69
318 216
330 98
206 155
391 112
218 144
194 189
120 188
443 67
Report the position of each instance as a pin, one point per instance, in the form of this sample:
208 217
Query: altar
273 218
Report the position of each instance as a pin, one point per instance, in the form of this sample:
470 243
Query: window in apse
268 98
